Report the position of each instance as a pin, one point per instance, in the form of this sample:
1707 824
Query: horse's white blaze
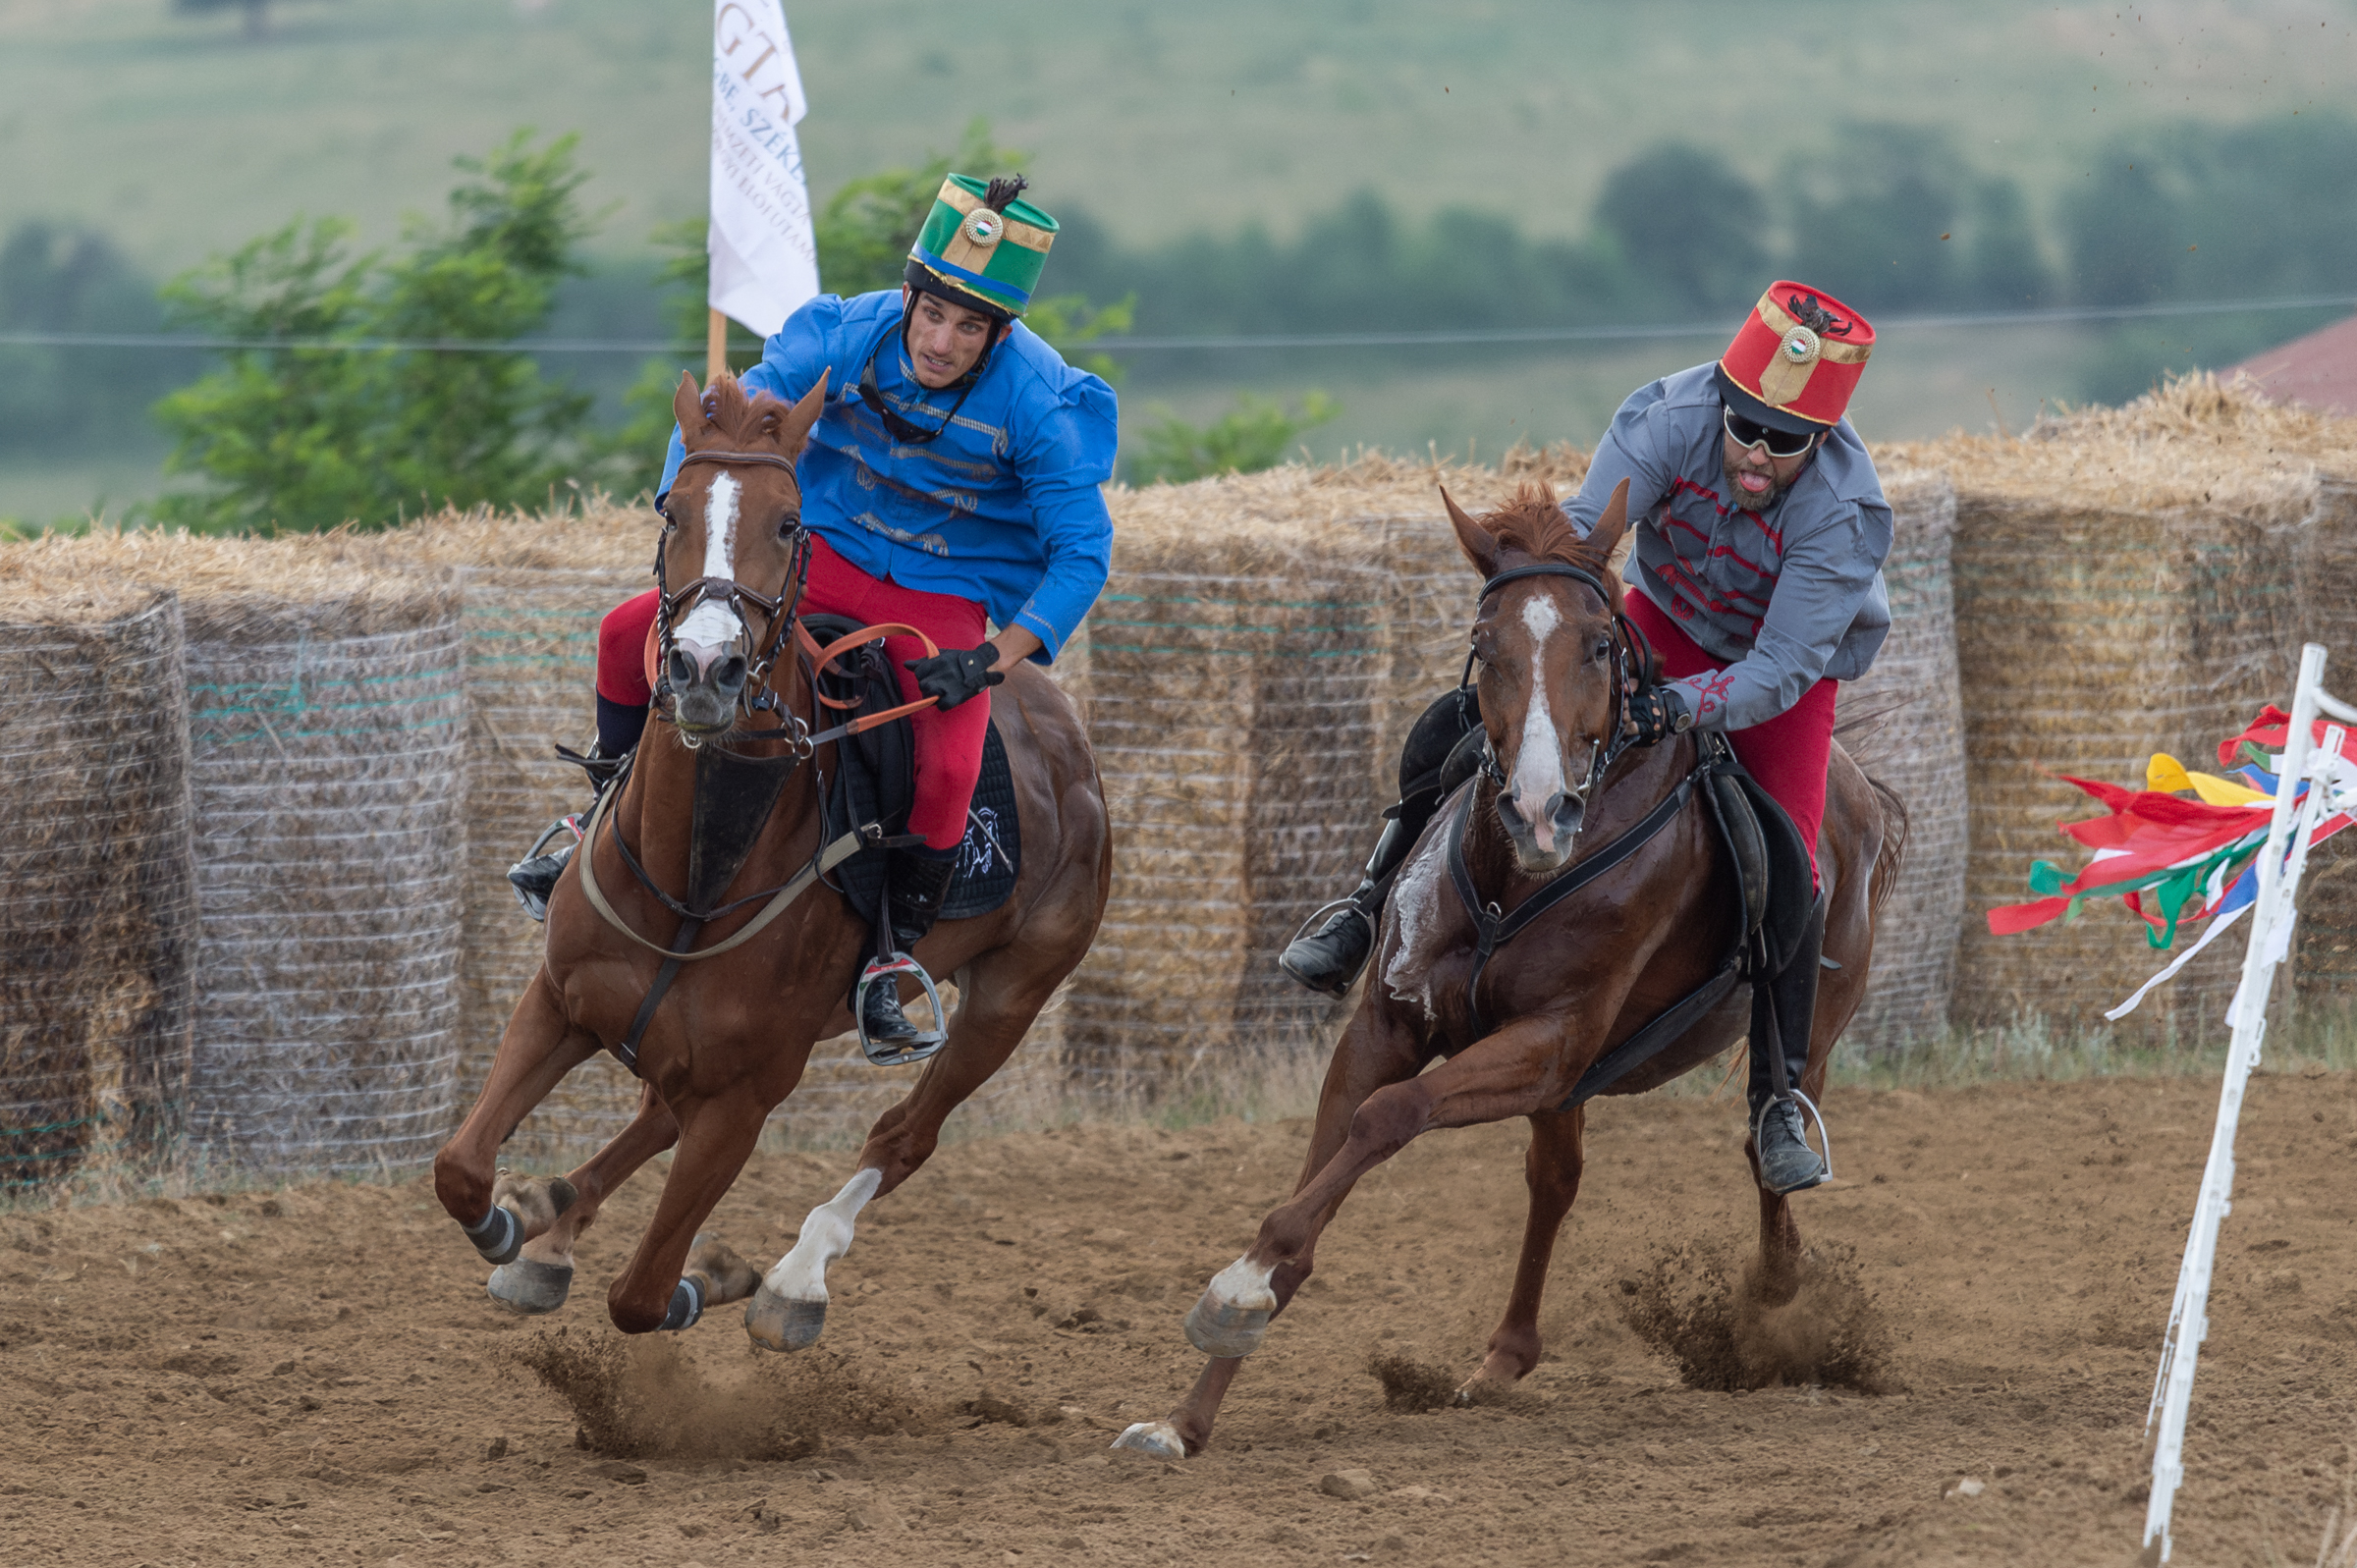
1417 903
801 1274
1245 1284
1539 760
710 625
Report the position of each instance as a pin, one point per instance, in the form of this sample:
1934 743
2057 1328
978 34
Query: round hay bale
1909 734
326 742
2324 965
2090 638
99 917
2129 581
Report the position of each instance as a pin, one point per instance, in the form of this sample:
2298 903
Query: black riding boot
1782 1015
535 876
1330 957
918 884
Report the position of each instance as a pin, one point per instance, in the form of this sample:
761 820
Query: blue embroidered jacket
1002 508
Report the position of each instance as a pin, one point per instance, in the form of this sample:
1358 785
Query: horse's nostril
730 671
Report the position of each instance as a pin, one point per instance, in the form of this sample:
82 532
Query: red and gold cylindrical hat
1796 361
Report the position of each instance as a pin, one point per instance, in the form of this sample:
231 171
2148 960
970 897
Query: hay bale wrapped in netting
532 589
325 733
1909 734
2125 584
2323 966
99 912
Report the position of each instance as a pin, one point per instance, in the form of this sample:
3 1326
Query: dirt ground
317 1376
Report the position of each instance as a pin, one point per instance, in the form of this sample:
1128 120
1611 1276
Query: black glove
956 673
1655 715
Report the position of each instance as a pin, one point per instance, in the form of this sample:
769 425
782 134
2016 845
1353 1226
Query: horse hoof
1156 1439
530 1286
1225 1329
781 1324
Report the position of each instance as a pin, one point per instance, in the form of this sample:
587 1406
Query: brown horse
1583 977
729 1039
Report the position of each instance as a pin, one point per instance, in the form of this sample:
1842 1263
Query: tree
1255 433
350 428
1872 217
54 279
1686 221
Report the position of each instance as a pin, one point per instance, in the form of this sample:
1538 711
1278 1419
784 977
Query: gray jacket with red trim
1788 596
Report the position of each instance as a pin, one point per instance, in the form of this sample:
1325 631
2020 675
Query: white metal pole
2271 914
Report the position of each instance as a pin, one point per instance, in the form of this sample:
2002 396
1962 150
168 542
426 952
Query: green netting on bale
326 754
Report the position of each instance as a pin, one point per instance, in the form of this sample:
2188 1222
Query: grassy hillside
179 137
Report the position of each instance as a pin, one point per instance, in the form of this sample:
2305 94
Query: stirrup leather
884 1053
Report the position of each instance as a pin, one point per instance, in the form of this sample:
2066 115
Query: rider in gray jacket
1761 531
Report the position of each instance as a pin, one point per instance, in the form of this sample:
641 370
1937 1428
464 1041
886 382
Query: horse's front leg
1552 1171
540 1278
1509 1073
716 1134
539 1048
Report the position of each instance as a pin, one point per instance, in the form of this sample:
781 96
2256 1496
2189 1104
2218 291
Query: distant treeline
1891 218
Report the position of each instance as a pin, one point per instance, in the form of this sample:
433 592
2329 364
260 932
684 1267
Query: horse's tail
1886 860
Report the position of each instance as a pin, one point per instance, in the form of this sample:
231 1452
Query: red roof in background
2319 370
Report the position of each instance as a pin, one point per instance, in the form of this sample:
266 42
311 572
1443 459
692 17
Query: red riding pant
1787 754
948 745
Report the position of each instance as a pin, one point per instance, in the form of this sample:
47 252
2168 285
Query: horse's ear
1478 542
687 404
1605 537
802 416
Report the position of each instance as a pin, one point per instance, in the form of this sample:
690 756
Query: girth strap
1493 929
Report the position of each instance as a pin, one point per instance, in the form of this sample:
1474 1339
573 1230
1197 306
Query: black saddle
875 783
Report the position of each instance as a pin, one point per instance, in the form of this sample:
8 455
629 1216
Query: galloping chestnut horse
729 1039
1576 981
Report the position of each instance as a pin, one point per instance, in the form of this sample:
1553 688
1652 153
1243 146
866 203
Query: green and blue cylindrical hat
978 255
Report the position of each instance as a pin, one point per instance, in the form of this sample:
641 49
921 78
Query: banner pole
716 347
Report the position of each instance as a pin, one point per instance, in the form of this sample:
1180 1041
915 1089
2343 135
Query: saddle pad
1789 895
983 881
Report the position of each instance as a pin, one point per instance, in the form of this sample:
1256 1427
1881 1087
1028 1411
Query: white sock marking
708 623
1245 1284
801 1274
1539 761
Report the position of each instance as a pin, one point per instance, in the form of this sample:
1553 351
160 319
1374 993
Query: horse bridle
734 596
1632 659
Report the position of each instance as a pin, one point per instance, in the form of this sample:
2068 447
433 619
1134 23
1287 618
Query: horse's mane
1533 525
737 422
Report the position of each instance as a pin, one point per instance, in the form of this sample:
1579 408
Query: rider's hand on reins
956 673
1656 715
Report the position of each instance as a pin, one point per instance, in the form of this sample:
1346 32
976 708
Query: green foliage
308 438
1255 433
54 398
1685 220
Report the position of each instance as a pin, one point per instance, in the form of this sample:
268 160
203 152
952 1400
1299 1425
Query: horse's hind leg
1552 1168
538 1050
1001 997
539 1279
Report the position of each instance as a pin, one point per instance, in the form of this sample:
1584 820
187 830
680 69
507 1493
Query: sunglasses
1778 443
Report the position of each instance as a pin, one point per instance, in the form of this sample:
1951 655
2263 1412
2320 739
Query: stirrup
885 1053
1810 1114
